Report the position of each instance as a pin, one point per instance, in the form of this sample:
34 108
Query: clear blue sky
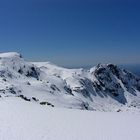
72 32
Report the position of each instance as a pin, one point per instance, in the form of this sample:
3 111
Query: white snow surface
34 97
21 120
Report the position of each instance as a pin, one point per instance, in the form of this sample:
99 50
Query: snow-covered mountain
104 87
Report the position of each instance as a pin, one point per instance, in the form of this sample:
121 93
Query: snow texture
21 120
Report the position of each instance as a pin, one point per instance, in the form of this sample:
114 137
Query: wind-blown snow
21 120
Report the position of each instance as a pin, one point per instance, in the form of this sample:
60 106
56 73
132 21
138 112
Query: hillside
105 87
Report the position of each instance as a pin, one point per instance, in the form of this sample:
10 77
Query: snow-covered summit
104 87
10 55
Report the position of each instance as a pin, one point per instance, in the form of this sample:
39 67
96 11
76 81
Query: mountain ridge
105 87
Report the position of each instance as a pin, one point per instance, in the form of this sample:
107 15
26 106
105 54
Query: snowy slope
104 87
21 120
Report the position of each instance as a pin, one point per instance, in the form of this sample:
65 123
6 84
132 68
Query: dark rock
35 99
24 98
68 90
46 103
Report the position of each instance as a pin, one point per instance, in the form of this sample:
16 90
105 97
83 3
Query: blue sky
72 32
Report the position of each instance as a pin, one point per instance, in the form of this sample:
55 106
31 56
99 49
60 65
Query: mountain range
105 87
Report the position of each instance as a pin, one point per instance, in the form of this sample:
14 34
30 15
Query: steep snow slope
20 120
104 87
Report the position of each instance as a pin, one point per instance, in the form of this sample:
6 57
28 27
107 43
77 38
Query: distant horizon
69 65
134 68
